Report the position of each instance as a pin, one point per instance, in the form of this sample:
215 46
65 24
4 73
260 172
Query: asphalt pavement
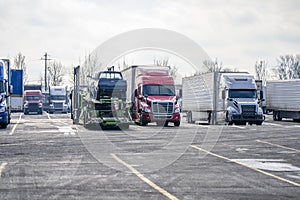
48 157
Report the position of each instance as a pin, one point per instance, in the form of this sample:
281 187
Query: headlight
146 109
2 109
177 110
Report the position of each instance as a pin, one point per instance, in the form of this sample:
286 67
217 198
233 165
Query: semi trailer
217 98
283 99
5 91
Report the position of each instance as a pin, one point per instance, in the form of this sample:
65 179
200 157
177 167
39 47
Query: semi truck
5 90
218 98
17 83
58 99
261 94
33 102
101 102
151 93
283 99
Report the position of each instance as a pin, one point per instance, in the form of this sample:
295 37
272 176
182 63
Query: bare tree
260 70
19 63
165 63
212 66
55 70
288 67
89 68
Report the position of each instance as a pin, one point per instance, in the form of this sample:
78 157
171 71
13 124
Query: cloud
236 32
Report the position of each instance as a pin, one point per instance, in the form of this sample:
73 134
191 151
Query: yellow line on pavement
15 126
277 145
2 166
247 166
146 180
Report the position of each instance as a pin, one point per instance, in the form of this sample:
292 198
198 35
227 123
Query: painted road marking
2 166
15 126
67 130
240 127
146 180
272 124
48 116
277 145
247 166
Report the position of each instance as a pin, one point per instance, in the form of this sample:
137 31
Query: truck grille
58 105
162 108
248 110
33 105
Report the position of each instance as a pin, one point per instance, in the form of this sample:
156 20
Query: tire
227 120
85 120
177 124
190 118
142 123
123 126
3 125
259 123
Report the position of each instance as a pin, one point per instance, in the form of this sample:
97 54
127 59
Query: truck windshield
242 93
58 98
2 88
159 90
108 75
30 98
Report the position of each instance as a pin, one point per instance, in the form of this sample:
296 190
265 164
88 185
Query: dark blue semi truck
5 88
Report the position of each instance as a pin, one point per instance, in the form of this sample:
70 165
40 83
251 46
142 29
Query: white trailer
218 97
283 98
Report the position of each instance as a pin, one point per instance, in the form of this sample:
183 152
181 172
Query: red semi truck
33 101
151 91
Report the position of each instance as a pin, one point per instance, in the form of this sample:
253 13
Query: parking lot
47 157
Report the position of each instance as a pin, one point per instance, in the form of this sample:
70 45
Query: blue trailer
17 82
5 89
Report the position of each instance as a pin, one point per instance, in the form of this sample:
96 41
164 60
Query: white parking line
240 127
48 116
15 126
247 166
272 124
146 180
2 166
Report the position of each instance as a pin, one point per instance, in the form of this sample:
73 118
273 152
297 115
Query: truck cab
155 98
33 101
58 99
240 99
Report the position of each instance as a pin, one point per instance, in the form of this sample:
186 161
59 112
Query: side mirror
261 95
223 94
11 89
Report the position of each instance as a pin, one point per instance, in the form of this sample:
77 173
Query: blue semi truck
17 83
5 89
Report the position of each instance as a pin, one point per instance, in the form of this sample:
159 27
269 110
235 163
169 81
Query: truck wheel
3 125
276 116
142 123
177 124
85 120
190 118
227 120
259 123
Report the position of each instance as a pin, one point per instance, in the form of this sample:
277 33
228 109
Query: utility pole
46 59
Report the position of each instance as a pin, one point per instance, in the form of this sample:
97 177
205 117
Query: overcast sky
236 32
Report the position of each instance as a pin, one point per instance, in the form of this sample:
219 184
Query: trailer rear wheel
177 124
190 118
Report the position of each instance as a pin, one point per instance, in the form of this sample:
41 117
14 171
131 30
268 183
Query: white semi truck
58 99
283 99
218 97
